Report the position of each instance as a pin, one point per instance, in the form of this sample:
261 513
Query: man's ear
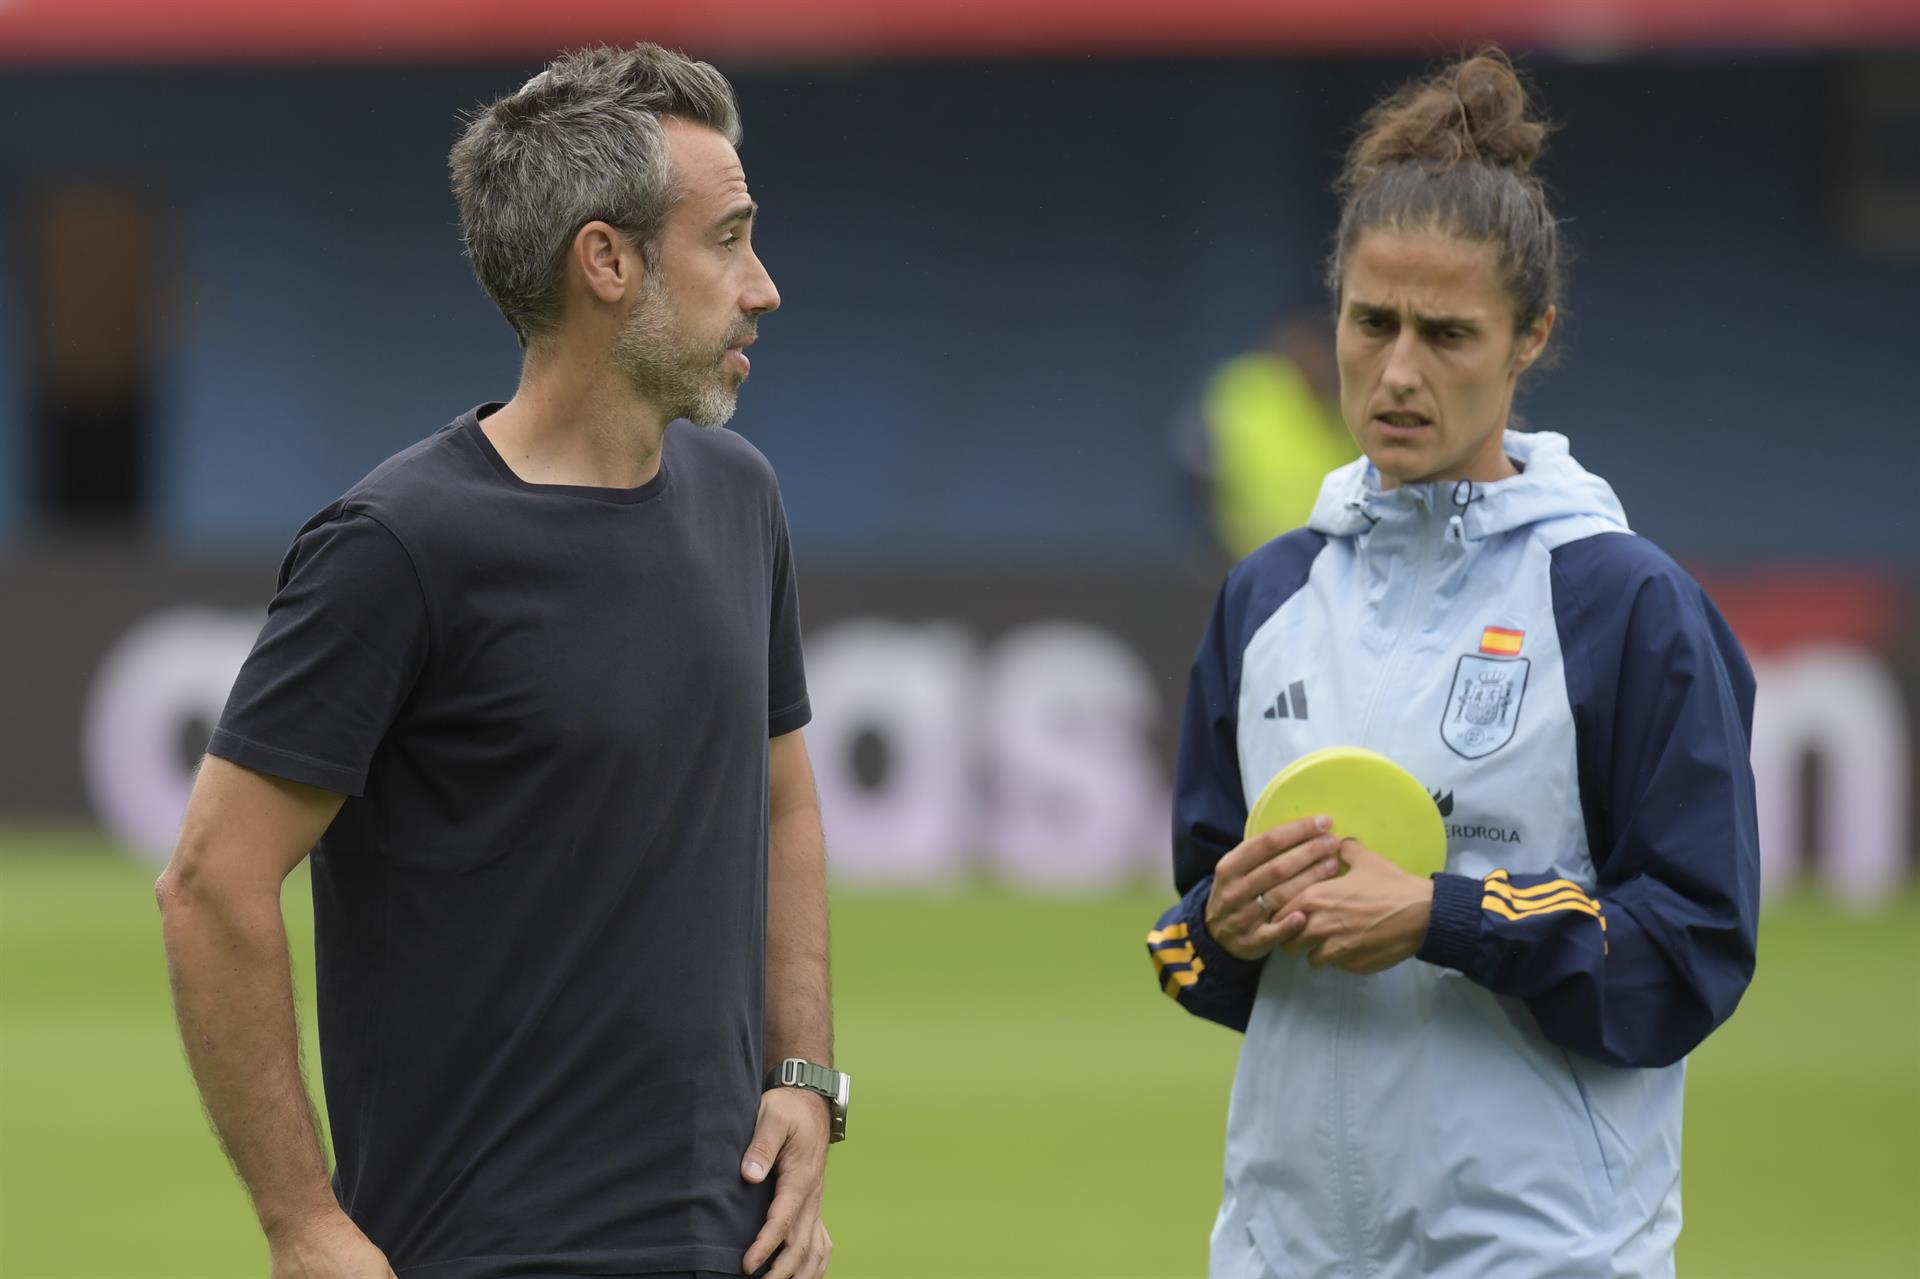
610 266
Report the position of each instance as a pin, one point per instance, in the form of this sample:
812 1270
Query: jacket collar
1550 486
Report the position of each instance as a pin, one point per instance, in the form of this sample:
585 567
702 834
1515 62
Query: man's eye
729 242
1373 324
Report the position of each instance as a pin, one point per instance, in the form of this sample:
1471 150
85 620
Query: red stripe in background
1778 608
142 31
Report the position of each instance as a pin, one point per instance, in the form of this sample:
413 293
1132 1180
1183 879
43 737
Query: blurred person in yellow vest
1267 432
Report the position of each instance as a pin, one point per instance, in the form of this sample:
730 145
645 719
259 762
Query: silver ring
1262 899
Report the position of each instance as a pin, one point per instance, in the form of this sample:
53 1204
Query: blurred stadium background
1014 239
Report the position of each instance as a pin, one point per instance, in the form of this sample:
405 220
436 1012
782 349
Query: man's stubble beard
665 368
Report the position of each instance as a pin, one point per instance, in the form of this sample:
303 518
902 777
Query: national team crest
1484 707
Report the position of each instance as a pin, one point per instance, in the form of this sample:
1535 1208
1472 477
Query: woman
1477 1074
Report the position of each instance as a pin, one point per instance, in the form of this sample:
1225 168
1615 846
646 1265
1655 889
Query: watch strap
796 1072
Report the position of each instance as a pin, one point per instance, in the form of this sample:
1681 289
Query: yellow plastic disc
1368 796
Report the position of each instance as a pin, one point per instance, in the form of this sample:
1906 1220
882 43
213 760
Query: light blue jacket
1508 1104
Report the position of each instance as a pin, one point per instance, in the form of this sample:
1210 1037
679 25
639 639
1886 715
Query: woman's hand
1368 919
1249 910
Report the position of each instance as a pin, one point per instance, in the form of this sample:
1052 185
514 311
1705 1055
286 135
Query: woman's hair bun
1474 110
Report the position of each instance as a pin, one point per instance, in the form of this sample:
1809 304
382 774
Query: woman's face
1428 356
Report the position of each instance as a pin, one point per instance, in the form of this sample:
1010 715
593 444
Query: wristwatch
797 1072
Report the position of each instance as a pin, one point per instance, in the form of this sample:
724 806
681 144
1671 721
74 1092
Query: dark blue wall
1001 283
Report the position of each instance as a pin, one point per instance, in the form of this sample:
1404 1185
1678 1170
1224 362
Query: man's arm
233 992
799 1000
790 1137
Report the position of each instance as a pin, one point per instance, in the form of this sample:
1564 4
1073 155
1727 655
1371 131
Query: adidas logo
1298 691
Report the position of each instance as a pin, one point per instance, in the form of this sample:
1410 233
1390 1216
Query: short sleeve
345 639
787 705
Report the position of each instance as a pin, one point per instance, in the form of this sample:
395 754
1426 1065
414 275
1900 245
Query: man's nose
761 295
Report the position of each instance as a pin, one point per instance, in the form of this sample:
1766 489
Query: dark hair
580 141
1454 153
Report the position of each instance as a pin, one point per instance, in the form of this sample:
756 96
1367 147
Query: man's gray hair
579 142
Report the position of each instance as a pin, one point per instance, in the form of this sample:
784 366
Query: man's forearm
233 993
799 999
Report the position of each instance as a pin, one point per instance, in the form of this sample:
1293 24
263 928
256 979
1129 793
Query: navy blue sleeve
1209 804
1641 969
1194 971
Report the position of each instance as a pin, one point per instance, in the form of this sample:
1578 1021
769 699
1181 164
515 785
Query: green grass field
1028 1104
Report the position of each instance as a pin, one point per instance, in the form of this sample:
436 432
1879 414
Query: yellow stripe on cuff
1179 977
1536 903
1172 955
1498 880
1533 892
1499 907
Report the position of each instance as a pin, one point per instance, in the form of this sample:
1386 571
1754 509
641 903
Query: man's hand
1252 905
790 1143
1367 920
329 1246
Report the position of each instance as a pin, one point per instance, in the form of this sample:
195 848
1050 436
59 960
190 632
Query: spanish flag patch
1501 642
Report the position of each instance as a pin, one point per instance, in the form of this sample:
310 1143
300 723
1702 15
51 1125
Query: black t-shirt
541 913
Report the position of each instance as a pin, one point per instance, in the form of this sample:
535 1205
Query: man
534 688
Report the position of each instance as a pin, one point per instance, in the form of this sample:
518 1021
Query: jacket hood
1550 486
